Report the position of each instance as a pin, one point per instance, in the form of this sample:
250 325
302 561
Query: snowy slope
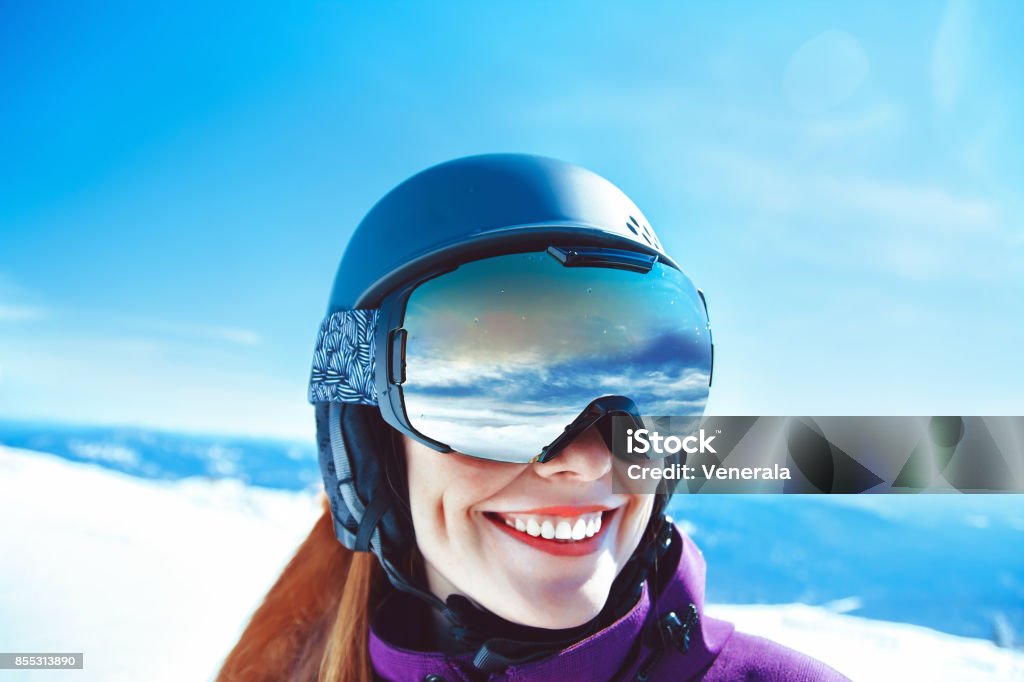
150 580
866 649
155 579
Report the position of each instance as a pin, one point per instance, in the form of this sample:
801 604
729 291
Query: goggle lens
502 353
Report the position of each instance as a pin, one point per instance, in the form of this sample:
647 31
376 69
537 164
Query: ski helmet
454 213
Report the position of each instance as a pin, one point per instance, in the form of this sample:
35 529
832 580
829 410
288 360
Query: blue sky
178 184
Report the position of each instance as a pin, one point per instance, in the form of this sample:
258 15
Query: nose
584 459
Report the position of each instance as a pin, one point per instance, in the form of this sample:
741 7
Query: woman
492 320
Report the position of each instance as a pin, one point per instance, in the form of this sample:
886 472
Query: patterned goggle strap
345 359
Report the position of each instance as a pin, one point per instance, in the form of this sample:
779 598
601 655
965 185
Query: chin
569 618
557 609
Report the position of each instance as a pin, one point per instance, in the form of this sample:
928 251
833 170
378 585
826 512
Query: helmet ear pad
376 459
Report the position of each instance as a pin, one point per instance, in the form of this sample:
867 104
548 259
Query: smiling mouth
564 532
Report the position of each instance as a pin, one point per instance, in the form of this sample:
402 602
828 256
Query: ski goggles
508 358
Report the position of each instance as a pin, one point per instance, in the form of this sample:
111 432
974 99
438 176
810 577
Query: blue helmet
478 206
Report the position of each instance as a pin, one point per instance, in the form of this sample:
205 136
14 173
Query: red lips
565 510
568 548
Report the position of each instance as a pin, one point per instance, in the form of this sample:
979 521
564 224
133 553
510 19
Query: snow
150 580
864 649
155 580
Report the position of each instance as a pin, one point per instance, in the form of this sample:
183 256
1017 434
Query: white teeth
579 531
573 528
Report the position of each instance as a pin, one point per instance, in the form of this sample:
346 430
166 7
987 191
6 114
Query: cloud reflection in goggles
504 352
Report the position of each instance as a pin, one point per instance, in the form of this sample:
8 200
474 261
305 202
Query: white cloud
223 461
776 188
13 311
21 313
245 337
882 117
917 230
439 372
515 427
226 334
950 54
484 440
932 207
105 452
80 377
687 381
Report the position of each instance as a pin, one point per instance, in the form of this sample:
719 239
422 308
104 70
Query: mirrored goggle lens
504 352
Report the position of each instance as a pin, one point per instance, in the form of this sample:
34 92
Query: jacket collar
617 651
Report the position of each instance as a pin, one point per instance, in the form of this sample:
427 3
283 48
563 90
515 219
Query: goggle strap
345 358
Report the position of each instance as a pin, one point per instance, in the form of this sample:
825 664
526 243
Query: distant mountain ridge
162 455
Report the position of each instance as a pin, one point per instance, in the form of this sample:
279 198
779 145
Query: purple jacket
698 648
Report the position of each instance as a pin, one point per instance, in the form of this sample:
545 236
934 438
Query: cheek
444 492
639 508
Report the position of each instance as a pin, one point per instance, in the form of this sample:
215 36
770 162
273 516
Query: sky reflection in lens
504 352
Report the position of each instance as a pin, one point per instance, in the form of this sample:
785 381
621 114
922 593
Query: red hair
314 623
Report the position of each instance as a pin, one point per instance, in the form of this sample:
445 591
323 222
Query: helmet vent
649 236
643 231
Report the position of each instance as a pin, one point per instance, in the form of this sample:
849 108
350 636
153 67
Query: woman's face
484 529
